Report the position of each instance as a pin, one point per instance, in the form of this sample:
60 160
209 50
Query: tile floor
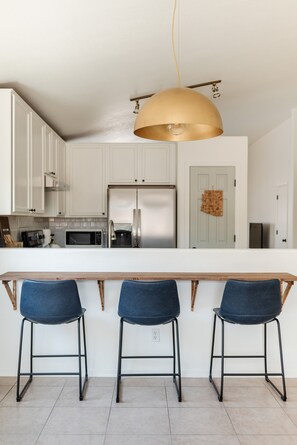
149 414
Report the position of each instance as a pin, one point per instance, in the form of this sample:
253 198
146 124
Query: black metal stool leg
265 353
222 362
85 348
119 361
212 347
173 352
282 374
20 394
284 396
178 362
79 360
222 357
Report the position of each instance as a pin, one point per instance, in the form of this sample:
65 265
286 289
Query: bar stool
249 303
51 303
150 303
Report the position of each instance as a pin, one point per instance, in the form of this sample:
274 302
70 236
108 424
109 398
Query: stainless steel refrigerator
141 216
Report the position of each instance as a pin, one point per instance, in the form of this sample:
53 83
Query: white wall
270 163
220 151
195 327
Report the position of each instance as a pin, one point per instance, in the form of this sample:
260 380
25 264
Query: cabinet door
50 151
55 201
156 164
87 193
37 165
61 170
123 164
20 155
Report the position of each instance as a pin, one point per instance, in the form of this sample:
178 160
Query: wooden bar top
100 277
200 276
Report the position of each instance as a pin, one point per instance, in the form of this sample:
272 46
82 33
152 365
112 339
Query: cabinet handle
103 213
135 180
143 180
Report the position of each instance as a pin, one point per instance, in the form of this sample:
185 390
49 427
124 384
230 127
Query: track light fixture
215 90
136 109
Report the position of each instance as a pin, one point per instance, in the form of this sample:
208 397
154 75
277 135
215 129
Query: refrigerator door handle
138 228
134 227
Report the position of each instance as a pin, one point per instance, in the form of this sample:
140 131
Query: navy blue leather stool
51 303
150 303
249 303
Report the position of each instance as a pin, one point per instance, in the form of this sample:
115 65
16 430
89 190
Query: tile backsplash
20 223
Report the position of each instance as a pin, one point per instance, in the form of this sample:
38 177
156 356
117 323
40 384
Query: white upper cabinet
86 177
61 171
21 119
24 138
157 164
123 163
142 164
50 155
27 159
37 164
55 199
21 156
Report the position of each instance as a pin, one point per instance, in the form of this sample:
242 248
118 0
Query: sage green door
206 230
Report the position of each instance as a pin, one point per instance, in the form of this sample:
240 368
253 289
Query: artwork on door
212 207
212 202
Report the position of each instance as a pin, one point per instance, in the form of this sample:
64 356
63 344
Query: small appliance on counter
53 244
33 238
47 237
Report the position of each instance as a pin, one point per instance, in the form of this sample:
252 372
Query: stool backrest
149 302
251 302
50 302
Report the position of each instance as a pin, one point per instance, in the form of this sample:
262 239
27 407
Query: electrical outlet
155 334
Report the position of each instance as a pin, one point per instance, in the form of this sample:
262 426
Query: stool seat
149 302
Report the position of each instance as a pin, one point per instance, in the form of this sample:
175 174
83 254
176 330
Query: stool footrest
146 356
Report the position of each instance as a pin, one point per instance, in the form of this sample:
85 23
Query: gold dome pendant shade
178 114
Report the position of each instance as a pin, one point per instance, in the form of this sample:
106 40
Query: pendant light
178 114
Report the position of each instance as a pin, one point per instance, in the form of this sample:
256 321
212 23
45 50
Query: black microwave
83 238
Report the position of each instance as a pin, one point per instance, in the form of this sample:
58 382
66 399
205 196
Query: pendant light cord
173 44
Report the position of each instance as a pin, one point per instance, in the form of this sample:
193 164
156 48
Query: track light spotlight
136 109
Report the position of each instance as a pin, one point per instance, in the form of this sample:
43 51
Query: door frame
214 225
241 218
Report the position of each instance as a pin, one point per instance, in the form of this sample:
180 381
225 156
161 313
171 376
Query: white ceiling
78 62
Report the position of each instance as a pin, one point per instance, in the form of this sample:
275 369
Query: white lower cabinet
86 177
